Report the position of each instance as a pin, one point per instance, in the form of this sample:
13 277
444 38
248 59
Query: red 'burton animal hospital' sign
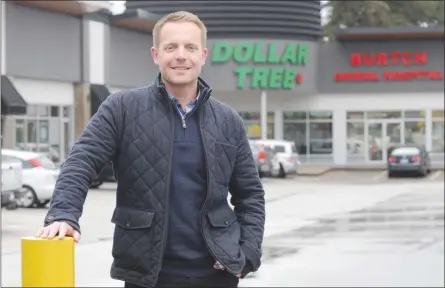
413 60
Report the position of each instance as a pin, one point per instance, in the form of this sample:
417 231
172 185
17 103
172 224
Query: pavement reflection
405 225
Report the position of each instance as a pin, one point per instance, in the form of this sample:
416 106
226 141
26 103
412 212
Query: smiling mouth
180 68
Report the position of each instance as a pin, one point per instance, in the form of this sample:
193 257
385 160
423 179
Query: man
177 152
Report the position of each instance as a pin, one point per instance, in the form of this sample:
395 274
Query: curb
329 170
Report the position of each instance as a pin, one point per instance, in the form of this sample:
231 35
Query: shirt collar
173 98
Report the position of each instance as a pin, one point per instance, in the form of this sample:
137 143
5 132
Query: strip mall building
335 100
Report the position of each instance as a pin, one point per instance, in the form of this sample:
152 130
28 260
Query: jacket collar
204 89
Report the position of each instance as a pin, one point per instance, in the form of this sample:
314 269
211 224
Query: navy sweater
186 253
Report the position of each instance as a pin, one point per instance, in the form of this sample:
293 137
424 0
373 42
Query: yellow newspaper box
48 262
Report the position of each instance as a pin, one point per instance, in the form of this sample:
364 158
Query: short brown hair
179 16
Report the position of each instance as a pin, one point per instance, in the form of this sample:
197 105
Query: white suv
286 157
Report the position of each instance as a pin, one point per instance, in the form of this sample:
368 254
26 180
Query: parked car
39 177
12 181
405 159
264 158
286 157
43 148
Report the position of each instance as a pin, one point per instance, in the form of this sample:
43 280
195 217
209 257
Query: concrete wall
42 44
130 62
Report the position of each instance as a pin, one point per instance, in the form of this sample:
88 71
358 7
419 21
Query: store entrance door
382 135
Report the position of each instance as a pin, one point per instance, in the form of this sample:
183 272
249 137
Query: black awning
12 101
98 95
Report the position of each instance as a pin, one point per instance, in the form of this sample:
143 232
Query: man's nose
180 53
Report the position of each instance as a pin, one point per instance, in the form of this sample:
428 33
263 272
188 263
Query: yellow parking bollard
48 262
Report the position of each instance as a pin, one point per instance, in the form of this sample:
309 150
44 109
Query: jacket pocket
132 218
225 158
225 231
132 234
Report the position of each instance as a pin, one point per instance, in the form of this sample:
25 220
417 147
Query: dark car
404 159
107 175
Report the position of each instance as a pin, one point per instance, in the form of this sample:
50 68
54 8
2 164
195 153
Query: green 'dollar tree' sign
271 67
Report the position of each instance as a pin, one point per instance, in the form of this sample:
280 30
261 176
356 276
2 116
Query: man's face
180 54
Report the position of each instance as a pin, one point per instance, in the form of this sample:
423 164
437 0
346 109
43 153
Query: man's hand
61 228
219 266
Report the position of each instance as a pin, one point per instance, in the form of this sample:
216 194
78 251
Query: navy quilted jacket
134 129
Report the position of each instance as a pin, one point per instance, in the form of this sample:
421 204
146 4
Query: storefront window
356 115
296 132
438 130
415 132
311 132
298 115
415 114
355 142
252 123
20 132
320 138
322 115
44 130
32 131
384 114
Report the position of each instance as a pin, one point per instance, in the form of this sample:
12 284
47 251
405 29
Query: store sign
263 65
412 62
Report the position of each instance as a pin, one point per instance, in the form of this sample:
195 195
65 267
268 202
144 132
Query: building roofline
359 33
137 19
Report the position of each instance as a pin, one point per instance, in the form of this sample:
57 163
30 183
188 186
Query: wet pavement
317 235
406 230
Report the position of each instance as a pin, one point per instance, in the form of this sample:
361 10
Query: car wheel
282 173
29 197
42 204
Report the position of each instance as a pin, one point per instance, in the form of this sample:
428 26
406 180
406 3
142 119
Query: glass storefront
371 133
437 136
312 134
252 123
45 129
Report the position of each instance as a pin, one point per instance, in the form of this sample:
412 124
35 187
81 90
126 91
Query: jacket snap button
226 221
128 224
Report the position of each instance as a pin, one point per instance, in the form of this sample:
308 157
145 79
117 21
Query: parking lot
369 177
338 229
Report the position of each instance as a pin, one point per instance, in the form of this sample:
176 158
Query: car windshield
408 151
46 163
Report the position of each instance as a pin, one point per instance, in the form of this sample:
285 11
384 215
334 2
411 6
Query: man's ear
204 55
154 55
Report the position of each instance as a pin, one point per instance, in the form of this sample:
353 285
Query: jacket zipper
167 201
184 125
205 201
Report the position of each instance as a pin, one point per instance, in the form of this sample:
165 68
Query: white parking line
435 175
380 176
